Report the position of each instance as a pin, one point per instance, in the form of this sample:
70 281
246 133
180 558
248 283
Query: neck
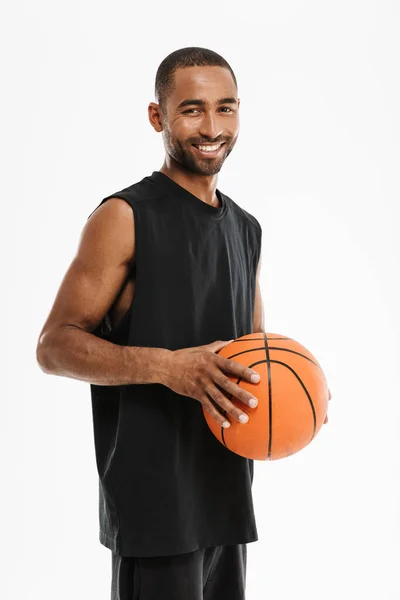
202 186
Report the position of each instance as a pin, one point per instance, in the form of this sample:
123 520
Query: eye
190 110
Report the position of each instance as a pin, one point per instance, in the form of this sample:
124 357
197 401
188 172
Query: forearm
75 353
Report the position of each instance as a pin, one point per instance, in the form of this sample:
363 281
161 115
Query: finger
229 387
210 408
221 400
235 369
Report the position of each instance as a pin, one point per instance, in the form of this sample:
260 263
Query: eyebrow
197 102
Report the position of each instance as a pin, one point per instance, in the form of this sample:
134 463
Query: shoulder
135 195
137 192
243 214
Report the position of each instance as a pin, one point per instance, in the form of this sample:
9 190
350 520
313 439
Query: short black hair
191 56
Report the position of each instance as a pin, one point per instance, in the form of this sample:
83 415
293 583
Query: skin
101 282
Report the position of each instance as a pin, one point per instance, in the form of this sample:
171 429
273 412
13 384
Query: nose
209 126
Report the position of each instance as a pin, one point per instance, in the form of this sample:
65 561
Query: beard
184 154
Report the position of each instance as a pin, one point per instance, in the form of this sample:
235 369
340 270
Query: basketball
292 398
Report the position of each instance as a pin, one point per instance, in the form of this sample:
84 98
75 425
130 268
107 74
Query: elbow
43 353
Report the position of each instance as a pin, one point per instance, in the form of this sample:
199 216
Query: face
203 109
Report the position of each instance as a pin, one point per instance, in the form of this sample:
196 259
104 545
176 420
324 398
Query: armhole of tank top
113 331
112 335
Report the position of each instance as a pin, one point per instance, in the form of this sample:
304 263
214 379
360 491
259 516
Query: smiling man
166 274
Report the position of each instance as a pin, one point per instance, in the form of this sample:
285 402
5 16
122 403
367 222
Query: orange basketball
292 398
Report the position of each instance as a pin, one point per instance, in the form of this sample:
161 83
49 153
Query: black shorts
215 573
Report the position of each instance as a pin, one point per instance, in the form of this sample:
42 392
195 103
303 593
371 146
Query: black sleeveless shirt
166 484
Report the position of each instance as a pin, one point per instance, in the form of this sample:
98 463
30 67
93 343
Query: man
165 268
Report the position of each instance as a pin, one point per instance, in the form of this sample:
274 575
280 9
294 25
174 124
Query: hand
330 396
202 374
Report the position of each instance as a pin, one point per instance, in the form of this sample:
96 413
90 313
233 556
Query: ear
155 119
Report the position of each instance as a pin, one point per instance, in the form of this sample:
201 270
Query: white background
317 162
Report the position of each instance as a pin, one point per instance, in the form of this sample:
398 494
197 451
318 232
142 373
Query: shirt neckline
165 182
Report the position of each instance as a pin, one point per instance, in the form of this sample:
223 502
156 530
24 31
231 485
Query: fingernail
255 377
253 402
226 424
243 418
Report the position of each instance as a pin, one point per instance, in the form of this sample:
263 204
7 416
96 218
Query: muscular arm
259 321
66 346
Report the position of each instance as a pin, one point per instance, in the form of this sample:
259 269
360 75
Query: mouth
208 150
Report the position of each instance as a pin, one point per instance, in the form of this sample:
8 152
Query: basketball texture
292 398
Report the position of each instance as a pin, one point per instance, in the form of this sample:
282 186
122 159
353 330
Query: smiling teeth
208 148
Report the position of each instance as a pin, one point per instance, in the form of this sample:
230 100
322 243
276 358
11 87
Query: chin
212 168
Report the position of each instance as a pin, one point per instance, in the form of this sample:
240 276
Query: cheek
186 128
187 132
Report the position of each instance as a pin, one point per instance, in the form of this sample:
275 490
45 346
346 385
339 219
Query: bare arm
259 320
66 346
